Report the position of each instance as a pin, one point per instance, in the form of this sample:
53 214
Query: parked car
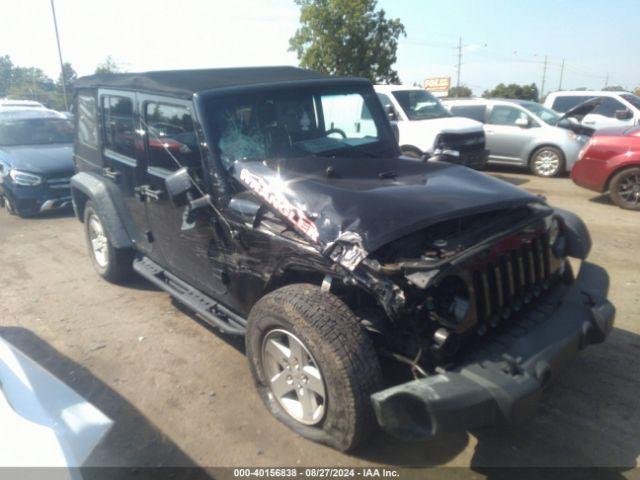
36 161
370 288
618 109
610 162
6 103
525 133
427 130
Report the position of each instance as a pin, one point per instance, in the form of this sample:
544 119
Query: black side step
206 307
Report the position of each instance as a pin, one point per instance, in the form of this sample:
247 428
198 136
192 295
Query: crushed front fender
504 380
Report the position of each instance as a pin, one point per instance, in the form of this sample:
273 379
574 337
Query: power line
544 77
459 65
64 86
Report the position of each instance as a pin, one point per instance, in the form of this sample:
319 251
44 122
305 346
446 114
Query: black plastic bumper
504 381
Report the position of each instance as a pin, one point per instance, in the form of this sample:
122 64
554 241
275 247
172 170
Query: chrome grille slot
514 278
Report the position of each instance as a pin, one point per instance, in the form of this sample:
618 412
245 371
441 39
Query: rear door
190 248
124 158
505 140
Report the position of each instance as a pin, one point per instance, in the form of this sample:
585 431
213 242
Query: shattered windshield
298 122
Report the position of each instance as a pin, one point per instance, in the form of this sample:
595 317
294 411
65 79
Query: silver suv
525 133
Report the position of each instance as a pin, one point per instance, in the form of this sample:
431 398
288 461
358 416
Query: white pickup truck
428 130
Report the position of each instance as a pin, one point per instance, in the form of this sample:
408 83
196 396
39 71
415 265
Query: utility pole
544 77
459 65
561 74
64 86
606 81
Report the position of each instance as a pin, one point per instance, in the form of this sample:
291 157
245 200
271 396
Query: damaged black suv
370 288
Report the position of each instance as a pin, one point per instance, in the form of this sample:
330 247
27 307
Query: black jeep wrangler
370 288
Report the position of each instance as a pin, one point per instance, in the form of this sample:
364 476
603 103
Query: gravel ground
181 394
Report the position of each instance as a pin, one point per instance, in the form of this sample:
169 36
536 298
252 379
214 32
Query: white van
427 129
618 109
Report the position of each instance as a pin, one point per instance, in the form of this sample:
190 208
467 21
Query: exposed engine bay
460 280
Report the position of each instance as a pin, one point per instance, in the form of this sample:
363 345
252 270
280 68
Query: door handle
489 131
589 122
145 191
111 173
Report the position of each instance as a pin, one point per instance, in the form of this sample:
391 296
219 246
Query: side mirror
522 122
391 113
625 114
178 185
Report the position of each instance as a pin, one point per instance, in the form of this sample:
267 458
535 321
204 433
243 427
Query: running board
206 307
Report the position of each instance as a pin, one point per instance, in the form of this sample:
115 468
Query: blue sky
504 40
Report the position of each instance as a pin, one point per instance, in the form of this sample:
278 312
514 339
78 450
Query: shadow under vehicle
370 287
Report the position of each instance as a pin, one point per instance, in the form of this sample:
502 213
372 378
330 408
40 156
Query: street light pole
64 86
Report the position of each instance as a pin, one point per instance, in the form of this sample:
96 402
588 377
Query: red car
611 162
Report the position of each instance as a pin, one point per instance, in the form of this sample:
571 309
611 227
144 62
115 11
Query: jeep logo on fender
278 201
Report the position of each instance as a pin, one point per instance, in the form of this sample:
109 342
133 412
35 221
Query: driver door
190 248
505 139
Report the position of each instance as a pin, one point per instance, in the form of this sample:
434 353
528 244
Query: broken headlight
556 238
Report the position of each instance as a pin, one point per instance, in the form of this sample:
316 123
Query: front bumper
503 382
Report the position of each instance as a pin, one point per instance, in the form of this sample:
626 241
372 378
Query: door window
608 107
474 112
87 121
567 102
172 141
341 113
505 115
119 128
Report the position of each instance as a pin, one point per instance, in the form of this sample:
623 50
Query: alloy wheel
547 163
98 240
294 377
629 189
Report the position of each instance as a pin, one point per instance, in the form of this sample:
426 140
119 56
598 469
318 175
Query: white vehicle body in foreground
421 127
618 109
43 422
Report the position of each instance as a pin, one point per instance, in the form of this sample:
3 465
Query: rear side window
172 141
87 121
474 112
119 129
567 102
608 107
505 115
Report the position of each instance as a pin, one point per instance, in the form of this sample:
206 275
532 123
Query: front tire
547 162
313 364
112 264
624 189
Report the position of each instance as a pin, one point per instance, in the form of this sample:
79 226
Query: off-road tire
119 265
343 352
614 188
560 170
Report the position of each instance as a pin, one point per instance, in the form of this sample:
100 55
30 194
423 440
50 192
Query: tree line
31 83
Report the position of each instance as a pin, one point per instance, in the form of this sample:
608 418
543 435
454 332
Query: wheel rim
547 163
629 189
294 377
98 241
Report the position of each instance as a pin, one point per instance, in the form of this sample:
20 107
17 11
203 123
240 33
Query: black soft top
185 83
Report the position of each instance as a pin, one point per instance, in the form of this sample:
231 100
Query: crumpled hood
40 159
361 202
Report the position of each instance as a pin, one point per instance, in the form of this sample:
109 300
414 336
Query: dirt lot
180 394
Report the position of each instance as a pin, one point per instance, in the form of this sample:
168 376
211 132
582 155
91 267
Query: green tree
636 91
613 88
6 68
513 90
108 66
347 37
67 77
462 91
